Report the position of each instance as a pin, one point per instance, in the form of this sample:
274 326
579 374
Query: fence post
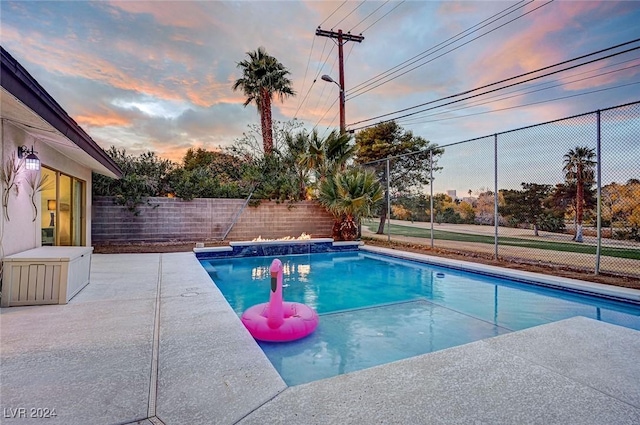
431 195
599 193
495 194
388 203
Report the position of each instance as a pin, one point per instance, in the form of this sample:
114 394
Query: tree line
302 165
540 207
284 162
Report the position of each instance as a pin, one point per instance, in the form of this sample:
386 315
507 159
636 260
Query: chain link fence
568 195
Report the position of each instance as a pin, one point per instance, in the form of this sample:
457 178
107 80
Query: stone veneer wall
172 219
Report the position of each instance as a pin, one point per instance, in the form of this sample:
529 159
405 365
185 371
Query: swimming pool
375 309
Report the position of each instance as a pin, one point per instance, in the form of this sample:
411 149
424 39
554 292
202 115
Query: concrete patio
152 341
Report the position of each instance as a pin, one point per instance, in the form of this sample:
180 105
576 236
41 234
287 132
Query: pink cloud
170 13
536 44
598 74
106 119
323 9
547 37
59 56
448 7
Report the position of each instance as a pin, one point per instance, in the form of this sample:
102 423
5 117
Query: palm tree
313 157
296 148
579 168
262 78
350 195
325 156
339 149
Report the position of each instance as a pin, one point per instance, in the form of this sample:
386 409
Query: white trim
213 249
281 242
348 243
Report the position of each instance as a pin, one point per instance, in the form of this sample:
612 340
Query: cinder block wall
172 219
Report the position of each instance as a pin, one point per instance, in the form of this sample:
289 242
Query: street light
325 77
342 118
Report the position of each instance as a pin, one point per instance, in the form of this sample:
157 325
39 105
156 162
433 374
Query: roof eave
17 81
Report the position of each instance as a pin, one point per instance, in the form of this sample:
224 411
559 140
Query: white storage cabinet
45 275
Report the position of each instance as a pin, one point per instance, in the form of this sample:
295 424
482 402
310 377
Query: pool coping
240 249
616 293
208 369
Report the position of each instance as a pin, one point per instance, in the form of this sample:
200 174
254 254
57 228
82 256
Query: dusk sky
157 76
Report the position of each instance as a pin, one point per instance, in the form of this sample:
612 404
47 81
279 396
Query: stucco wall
172 219
21 233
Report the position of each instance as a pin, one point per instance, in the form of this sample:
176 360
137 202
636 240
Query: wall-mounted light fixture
31 161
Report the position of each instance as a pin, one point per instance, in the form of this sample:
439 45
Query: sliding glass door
48 206
63 207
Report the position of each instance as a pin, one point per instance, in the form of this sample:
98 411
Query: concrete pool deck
151 341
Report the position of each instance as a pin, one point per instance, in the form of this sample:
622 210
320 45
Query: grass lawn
418 232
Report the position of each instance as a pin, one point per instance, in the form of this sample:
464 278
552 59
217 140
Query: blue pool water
376 309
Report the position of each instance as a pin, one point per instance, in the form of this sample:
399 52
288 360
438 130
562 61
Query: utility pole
342 38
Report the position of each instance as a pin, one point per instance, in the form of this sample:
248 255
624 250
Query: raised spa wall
273 248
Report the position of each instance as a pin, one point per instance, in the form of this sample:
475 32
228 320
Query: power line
330 124
320 68
500 88
349 14
532 103
509 79
362 91
512 130
304 79
324 46
324 87
320 64
378 20
341 39
349 54
519 92
325 113
376 77
367 17
332 13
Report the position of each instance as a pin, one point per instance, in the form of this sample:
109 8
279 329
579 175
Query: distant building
452 193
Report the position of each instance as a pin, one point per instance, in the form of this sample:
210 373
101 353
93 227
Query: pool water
376 309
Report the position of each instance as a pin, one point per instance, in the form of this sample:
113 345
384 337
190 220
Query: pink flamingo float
278 321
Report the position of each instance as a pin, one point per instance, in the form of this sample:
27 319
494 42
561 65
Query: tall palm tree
263 76
579 168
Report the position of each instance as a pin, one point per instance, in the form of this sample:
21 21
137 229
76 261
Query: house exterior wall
21 232
172 219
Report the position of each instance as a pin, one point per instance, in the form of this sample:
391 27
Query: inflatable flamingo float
278 321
